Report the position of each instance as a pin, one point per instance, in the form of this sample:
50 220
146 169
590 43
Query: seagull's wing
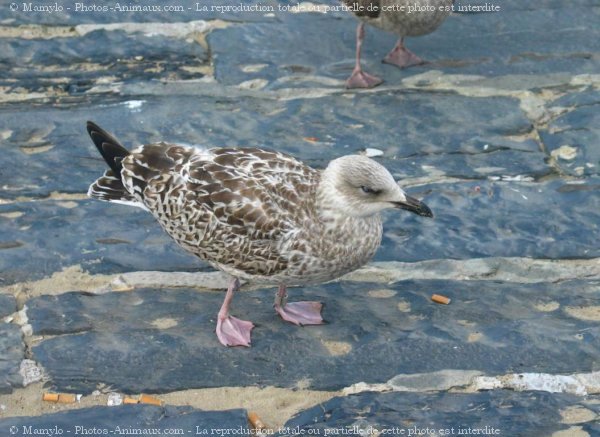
231 207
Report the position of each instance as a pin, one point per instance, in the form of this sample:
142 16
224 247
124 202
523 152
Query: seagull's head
358 186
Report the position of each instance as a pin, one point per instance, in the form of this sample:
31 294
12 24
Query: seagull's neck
328 199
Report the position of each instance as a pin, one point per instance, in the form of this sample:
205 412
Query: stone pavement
498 133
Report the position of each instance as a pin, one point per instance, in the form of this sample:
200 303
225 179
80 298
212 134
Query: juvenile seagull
402 17
256 214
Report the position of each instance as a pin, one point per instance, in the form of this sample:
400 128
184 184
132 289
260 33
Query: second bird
402 17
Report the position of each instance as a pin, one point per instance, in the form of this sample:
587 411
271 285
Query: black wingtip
91 126
109 147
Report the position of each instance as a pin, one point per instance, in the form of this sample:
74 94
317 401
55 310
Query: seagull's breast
325 251
411 17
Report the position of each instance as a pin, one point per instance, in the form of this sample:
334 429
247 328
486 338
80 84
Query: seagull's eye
369 190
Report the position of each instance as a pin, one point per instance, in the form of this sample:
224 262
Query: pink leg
401 57
360 79
298 313
232 331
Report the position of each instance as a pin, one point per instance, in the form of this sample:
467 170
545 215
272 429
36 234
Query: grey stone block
12 352
163 340
54 235
531 413
8 305
488 218
573 137
472 219
479 44
429 129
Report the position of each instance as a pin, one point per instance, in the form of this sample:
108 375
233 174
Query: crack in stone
433 81
469 381
509 269
54 195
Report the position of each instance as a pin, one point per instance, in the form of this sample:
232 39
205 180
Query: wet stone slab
497 164
8 305
533 414
12 352
488 218
163 340
573 137
137 419
40 238
103 238
36 63
429 129
479 44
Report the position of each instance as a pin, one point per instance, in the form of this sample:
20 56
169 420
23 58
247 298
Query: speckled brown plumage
250 212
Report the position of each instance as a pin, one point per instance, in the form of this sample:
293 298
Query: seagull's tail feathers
111 150
110 187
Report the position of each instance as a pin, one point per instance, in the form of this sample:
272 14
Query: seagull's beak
413 205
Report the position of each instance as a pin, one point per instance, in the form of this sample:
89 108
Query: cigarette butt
311 139
438 298
146 399
50 397
255 421
66 398
128 400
